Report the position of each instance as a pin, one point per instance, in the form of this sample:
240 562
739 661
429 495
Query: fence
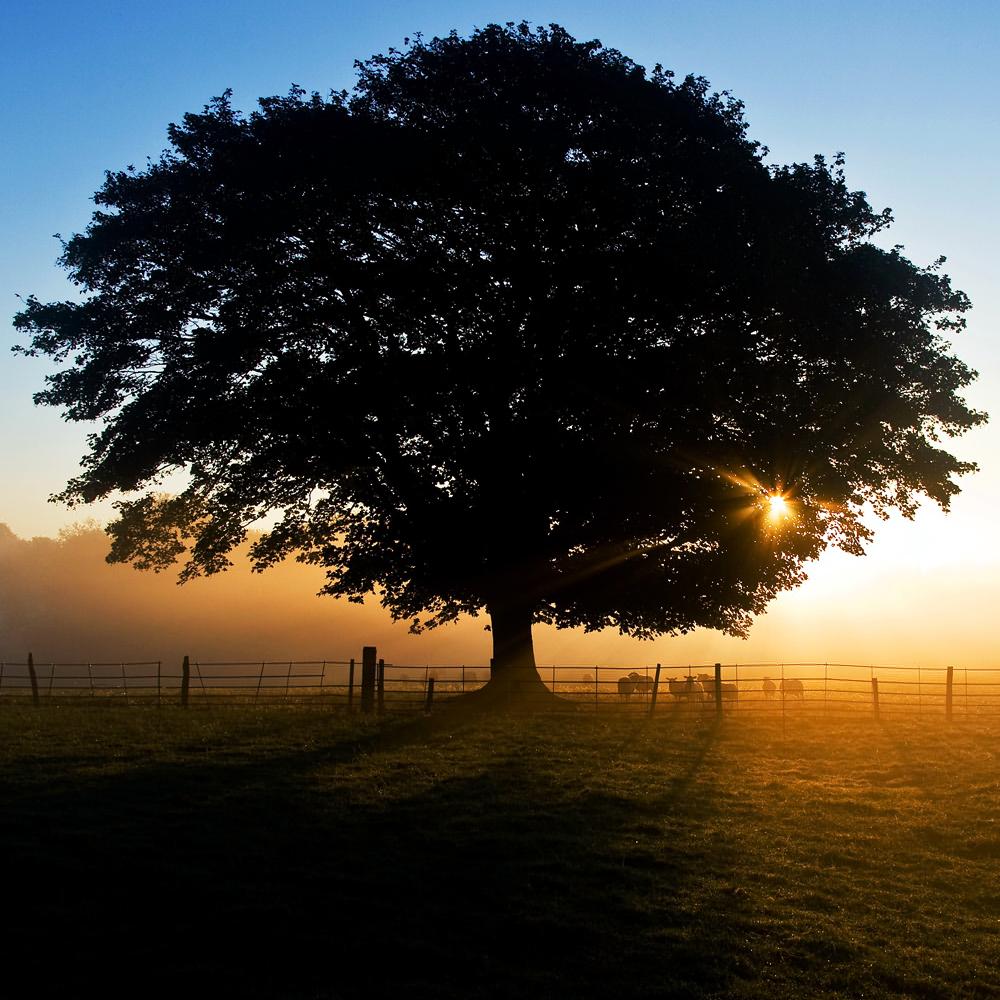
373 686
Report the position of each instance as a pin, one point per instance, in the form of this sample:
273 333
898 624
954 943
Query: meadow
303 854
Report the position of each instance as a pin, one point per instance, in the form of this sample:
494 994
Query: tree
516 326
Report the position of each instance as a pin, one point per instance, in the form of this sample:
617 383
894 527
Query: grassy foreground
300 855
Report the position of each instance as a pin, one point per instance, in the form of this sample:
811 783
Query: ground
298 854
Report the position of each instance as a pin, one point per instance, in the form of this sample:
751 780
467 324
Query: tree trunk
514 678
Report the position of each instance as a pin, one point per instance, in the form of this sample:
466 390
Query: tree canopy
515 326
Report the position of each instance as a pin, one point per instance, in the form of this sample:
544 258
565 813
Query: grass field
275 853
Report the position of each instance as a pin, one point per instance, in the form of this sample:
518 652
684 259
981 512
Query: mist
60 600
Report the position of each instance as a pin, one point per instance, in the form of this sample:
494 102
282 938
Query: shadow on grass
337 873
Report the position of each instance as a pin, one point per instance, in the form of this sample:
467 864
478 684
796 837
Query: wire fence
785 689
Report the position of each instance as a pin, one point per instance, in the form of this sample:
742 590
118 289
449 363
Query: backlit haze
906 90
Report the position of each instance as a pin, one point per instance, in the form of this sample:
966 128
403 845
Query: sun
777 507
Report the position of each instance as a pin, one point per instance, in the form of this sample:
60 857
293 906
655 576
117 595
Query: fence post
948 691
33 677
430 696
350 687
381 687
718 690
368 655
260 683
159 670
185 681
782 689
875 697
656 688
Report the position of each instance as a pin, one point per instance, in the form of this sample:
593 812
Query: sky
906 89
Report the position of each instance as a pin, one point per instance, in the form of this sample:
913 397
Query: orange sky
903 604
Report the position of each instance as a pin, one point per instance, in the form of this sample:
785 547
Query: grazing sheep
729 690
686 690
626 688
643 685
769 688
792 687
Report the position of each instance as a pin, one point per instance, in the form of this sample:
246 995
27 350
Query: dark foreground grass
296 855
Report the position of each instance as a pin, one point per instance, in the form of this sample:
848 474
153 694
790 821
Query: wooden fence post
381 687
185 681
718 690
875 697
948 692
368 656
350 687
430 696
33 677
260 683
656 688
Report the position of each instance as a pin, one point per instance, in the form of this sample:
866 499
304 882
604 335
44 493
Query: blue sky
907 89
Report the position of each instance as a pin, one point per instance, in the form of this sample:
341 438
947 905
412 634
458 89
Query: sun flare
777 507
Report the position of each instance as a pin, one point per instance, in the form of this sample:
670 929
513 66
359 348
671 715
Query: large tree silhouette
517 327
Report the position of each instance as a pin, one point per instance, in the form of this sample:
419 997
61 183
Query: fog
61 601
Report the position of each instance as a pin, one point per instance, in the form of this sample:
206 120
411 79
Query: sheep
729 690
686 690
792 687
769 688
643 686
626 688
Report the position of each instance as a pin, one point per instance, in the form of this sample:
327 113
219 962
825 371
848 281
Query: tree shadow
260 878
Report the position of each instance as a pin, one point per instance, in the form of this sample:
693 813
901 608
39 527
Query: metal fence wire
785 689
